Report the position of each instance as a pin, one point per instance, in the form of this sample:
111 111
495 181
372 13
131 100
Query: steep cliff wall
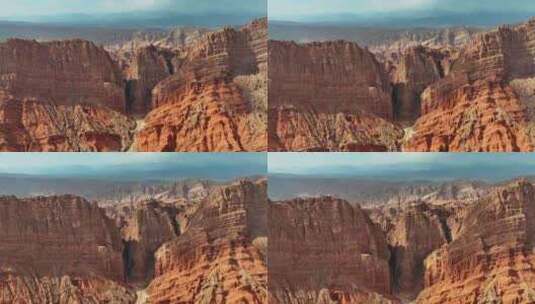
323 250
59 250
218 259
328 96
207 105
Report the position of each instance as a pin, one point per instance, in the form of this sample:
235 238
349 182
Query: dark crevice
395 102
128 263
392 263
445 229
129 94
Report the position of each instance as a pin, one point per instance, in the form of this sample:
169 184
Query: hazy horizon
489 167
137 14
390 13
134 166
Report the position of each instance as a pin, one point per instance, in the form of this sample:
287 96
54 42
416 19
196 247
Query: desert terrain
159 89
190 241
401 88
439 242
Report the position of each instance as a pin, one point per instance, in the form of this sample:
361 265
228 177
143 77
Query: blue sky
290 9
135 165
23 8
485 166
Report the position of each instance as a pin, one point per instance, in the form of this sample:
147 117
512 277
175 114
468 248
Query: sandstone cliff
323 250
484 97
63 72
491 259
411 71
214 101
328 96
41 126
220 257
483 117
149 66
59 250
61 96
412 232
146 228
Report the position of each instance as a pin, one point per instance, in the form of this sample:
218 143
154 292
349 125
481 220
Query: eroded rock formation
41 126
483 98
491 260
63 72
483 117
146 228
213 102
220 258
323 250
412 232
328 96
149 66
59 250
411 71
61 96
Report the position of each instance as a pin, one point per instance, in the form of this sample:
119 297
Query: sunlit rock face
490 259
216 99
323 250
329 96
59 250
220 258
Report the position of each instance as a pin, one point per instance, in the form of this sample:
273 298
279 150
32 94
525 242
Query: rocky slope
146 69
459 93
146 227
487 97
214 100
59 250
412 232
61 96
193 90
411 71
484 117
63 249
220 257
328 96
323 250
40 126
491 259
65 72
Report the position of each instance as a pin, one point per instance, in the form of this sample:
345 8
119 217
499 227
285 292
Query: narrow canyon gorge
194 91
205 245
467 245
472 92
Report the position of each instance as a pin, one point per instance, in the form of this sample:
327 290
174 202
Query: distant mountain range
139 20
412 19
22 185
112 28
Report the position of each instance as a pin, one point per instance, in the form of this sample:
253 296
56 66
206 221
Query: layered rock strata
411 72
147 227
149 66
59 250
491 259
61 96
323 250
412 233
63 72
328 96
211 103
483 117
482 83
41 126
220 256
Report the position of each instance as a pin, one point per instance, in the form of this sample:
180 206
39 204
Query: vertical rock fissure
128 262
